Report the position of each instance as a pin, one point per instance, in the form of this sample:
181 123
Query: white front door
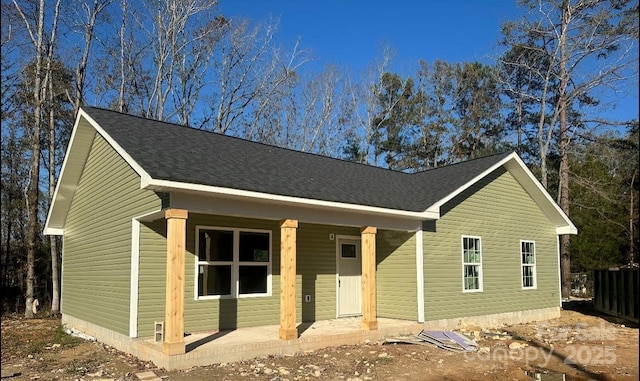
349 277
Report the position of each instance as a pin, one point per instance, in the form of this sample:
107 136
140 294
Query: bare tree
180 50
238 72
53 239
85 17
123 79
363 98
267 118
310 116
248 68
8 67
34 22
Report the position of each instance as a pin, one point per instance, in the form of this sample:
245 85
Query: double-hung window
232 262
471 264
528 263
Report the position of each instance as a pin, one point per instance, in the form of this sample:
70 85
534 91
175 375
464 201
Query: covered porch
174 342
208 348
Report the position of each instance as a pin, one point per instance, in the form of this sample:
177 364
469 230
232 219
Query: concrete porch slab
246 343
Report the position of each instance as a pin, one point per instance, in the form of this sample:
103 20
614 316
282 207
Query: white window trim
235 264
480 272
535 265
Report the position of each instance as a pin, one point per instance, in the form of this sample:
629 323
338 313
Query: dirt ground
579 344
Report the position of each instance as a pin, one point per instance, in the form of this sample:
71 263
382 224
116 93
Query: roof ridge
503 153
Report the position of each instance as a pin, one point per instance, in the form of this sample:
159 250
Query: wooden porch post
369 317
174 304
288 329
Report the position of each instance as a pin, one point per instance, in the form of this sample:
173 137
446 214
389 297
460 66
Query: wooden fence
615 292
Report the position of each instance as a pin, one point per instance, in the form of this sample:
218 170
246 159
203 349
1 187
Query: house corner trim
420 274
134 276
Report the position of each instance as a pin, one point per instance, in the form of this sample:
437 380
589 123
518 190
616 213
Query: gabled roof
170 157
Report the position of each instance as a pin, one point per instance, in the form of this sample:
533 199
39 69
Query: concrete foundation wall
495 320
243 349
112 338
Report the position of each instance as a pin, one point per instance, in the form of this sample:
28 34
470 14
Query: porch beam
173 342
369 316
288 330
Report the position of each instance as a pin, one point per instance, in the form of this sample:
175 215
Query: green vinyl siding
499 211
152 275
316 256
97 239
213 314
396 275
317 265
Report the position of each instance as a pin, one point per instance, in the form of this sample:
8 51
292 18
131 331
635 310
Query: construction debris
75 333
449 340
547 375
10 372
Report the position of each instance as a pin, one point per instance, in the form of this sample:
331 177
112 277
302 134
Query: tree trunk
31 192
632 210
53 240
32 210
565 259
39 96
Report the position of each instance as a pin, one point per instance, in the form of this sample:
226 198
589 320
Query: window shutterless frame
528 265
235 263
471 263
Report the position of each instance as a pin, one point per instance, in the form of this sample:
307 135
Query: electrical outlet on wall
307 298
331 236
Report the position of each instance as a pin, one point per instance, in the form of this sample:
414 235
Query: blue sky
350 33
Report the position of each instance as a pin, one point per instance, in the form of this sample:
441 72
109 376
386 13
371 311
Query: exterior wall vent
158 331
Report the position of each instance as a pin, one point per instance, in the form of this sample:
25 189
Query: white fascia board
569 229
136 167
269 210
564 225
62 181
525 177
166 185
71 170
53 231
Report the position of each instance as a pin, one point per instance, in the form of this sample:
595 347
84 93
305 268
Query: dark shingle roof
177 153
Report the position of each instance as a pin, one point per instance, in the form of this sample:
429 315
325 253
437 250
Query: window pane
348 250
528 258
253 279
471 244
471 250
214 280
472 256
528 252
527 276
471 277
254 247
215 245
